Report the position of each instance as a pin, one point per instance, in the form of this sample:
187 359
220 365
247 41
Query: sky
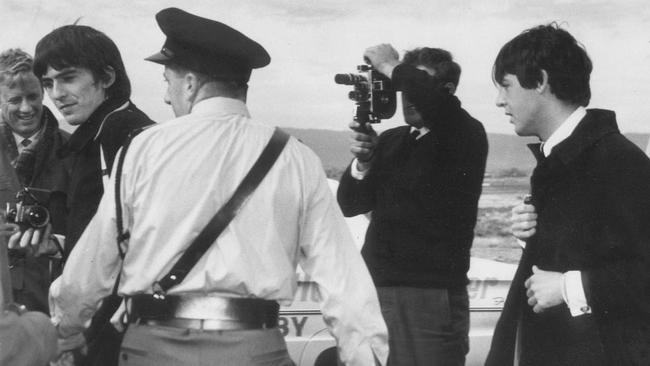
311 40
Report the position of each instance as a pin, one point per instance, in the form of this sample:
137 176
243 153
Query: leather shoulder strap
222 218
121 234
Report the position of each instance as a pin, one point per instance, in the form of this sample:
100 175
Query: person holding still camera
29 139
422 182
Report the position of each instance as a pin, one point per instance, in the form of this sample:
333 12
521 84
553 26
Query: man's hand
8 230
544 289
524 221
36 240
383 58
71 350
363 141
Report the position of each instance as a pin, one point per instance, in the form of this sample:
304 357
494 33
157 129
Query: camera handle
363 116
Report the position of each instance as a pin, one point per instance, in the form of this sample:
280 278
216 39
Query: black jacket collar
88 130
594 126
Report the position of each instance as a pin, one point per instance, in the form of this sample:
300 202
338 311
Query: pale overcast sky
311 40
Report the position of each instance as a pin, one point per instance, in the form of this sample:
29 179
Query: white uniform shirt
176 176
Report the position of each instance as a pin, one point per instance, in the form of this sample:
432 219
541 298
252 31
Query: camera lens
38 216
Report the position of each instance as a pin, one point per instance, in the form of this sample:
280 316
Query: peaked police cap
207 46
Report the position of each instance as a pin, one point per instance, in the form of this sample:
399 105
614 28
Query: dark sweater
423 199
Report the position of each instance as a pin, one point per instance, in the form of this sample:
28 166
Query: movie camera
373 94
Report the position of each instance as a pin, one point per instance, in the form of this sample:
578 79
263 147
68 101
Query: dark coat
423 198
592 196
31 276
109 126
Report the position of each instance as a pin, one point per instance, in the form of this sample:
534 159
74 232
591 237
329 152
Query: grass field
493 238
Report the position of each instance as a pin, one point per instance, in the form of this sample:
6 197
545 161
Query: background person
29 140
423 194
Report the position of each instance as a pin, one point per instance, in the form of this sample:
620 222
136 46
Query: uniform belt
207 312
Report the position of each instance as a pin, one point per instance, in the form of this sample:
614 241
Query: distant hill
507 152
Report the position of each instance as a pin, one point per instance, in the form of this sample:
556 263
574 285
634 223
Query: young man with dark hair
580 295
82 72
29 141
423 192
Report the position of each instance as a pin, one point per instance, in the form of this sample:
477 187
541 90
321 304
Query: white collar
33 138
422 130
220 106
565 130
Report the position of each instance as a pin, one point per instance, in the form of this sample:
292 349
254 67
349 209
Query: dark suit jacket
423 198
592 196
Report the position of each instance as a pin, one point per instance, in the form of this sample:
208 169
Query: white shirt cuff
355 172
574 294
521 243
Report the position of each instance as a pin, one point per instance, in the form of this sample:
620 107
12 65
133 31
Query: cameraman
422 183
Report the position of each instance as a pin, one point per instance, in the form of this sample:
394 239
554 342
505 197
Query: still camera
27 212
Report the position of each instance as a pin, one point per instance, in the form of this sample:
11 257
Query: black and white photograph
324 183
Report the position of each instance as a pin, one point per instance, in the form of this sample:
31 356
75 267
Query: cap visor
158 58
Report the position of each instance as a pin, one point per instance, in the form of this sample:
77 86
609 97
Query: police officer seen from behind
422 182
174 178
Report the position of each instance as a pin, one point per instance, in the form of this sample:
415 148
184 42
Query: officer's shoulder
299 148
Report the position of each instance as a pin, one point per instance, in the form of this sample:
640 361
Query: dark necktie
26 142
413 137
411 141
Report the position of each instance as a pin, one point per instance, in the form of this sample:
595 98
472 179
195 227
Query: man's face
411 115
21 103
522 105
174 95
75 92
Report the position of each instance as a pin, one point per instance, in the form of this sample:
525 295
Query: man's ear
191 85
108 78
451 88
543 85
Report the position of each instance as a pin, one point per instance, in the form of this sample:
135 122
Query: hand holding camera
383 58
363 143
373 95
30 221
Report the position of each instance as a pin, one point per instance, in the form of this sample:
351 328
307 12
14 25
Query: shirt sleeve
89 273
347 294
355 172
574 294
